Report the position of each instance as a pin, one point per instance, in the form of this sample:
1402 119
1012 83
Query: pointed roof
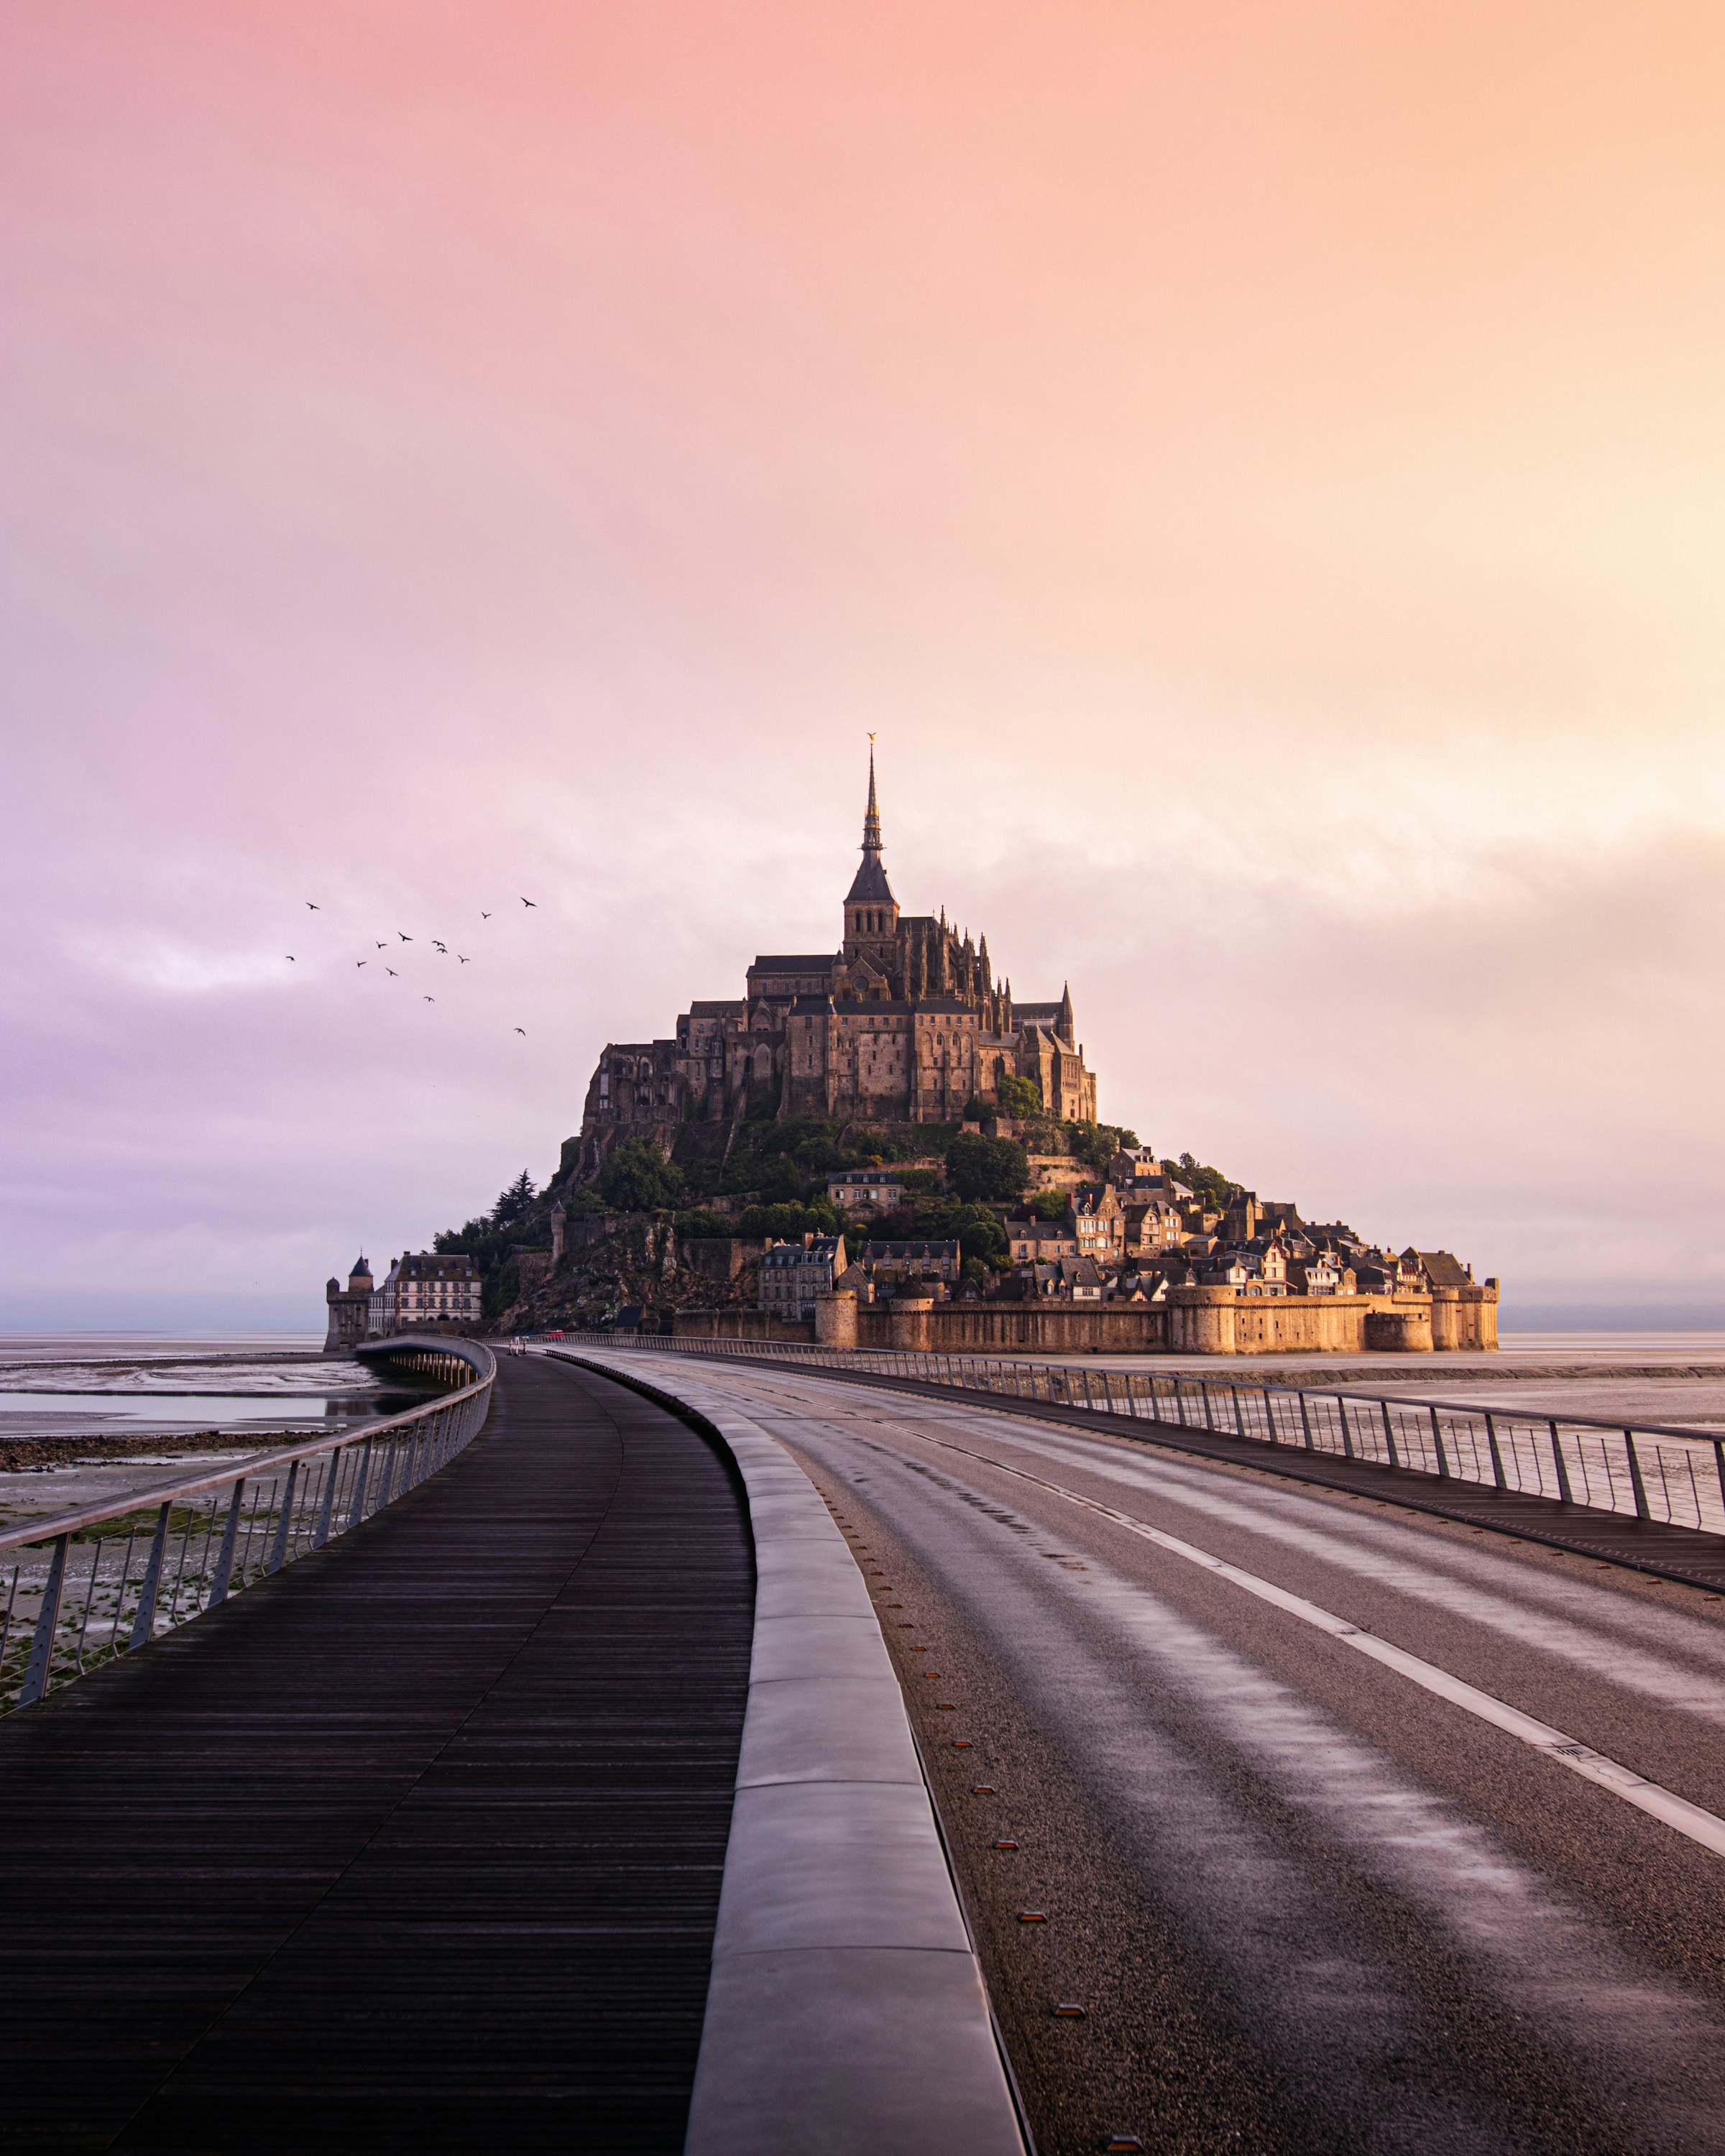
871 882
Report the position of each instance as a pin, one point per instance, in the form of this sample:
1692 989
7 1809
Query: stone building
792 1274
427 1288
350 1308
904 1023
869 1188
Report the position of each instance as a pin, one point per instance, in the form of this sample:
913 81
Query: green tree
984 1168
1209 1184
700 1225
514 1202
779 1183
637 1178
916 1180
1018 1097
789 1223
1096 1144
977 1231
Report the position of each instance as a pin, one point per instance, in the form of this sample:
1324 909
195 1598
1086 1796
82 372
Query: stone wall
739 1325
719 1257
1194 1320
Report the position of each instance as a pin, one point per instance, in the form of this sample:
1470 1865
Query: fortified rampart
1194 1320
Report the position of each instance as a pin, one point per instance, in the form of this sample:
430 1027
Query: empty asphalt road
1253 1860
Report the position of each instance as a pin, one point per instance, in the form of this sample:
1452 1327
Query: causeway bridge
646 1746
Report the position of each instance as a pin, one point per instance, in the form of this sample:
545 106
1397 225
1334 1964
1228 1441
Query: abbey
905 1023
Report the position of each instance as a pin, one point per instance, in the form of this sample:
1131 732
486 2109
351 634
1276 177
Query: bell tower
871 910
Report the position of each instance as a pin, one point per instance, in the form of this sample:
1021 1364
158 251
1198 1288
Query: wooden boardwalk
416 1845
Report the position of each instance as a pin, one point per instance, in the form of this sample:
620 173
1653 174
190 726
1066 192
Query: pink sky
1260 470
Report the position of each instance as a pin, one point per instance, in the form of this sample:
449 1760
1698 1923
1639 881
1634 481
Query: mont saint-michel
882 1143
904 1023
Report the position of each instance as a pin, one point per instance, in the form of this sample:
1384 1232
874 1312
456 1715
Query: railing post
230 1536
1306 1422
48 1619
1203 1388
1240 1428
1563 1472
1643 1511
1088 1401
326 1511
1389 1435
356 1509
277 1548
1719 1462
1497 1476
143 1625
1347 1450
1437 1439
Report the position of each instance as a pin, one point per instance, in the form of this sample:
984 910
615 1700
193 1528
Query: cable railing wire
1649 1471
91 1585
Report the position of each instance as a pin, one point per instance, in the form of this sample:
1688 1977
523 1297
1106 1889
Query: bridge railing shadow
91 1585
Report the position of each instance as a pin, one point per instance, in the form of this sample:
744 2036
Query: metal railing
1648 1470
90 1585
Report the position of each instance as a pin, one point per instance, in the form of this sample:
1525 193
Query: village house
1098 1225
1040 1242
1080 1280
896 1262
792 1274
427 1288
1149 1225
866 1190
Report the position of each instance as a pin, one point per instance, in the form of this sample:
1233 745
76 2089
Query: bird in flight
484 916
381 947
404 936
311 908
290 957
360 962
392 973
465 962
530 901
427 999
522 1031
436 946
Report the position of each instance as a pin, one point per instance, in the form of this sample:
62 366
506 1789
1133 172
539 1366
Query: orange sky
1258 469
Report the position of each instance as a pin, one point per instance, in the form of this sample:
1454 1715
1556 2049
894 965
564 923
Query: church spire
870 888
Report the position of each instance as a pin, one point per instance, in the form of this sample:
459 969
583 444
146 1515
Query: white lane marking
1688 1690
1662 1803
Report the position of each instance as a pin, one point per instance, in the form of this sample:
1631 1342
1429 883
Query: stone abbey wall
905 1022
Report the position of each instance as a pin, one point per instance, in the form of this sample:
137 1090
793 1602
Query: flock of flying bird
312 906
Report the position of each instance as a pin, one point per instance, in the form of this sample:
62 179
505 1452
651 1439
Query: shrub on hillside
637 1178
1018 1097
979 1167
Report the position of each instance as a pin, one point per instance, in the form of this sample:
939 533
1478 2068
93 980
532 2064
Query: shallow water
50 1413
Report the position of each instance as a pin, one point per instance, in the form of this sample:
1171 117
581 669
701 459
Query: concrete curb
846 2010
